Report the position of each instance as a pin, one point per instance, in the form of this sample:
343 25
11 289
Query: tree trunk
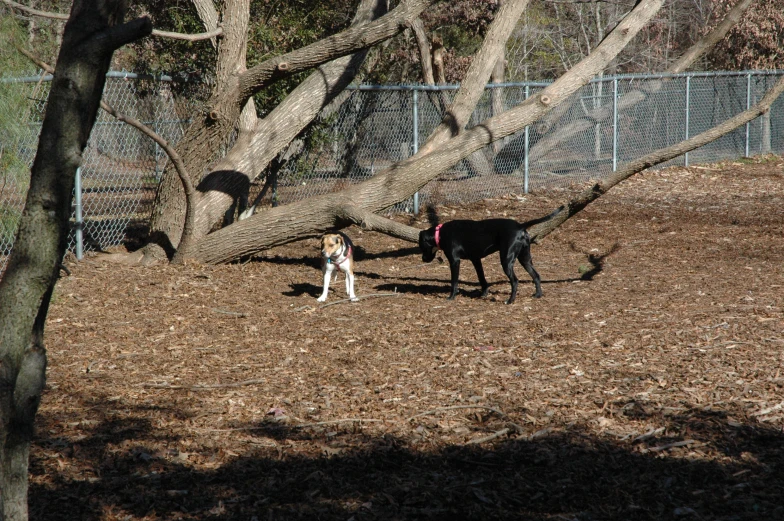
210 131
91 36
317 214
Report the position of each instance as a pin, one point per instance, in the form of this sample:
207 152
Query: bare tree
92 34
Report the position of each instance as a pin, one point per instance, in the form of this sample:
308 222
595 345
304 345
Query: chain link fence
121 167
369 128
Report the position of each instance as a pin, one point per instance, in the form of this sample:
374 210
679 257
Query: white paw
322 298
354 299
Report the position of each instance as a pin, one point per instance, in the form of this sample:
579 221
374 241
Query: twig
454 407
233 313
344 420
203 387
669 446
300 426
769 410
488 438
301 308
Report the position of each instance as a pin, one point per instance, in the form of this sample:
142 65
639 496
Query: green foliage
14 109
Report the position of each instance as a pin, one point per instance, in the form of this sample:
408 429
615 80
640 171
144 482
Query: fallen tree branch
372 222
590 194
202 387
456 407
493 436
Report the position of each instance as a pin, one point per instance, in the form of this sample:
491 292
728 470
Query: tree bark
631 98
317 214
211 130
587 196
91 36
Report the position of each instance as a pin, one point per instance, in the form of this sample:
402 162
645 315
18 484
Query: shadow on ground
548 475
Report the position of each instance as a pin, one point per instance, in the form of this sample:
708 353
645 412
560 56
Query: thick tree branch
209 17
373 222
351 40
600 188
482 65
255 149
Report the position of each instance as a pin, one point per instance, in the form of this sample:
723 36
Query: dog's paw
354 299
322 298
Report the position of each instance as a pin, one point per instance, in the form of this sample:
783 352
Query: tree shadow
348 473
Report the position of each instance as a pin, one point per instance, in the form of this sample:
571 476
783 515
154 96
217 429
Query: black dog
474 240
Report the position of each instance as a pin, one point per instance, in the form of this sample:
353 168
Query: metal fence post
686 123
416 141
615 124
78 214
748 106
525 160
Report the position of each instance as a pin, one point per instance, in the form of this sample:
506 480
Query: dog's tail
528 224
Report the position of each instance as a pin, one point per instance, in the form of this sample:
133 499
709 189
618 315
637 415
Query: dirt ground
646 384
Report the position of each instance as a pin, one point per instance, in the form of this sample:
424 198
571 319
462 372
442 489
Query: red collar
348 254
438 235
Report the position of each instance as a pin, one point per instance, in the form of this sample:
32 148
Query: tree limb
373 222
353 39
590 194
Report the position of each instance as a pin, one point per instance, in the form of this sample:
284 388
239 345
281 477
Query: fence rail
368 128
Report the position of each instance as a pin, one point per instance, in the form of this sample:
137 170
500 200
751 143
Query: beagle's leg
350 286
328 269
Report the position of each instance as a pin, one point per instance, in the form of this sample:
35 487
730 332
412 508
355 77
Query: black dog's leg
454 267
525 260
480 273
507 262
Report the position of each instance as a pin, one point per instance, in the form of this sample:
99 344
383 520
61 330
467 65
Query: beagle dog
337 252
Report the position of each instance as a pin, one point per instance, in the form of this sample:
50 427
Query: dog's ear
339 239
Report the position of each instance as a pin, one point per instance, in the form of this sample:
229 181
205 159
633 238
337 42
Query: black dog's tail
528 224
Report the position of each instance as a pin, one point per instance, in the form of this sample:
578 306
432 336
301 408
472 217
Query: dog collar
348 254
438 235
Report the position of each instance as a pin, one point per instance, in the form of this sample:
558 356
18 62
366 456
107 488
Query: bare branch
636 96
344 43
155 32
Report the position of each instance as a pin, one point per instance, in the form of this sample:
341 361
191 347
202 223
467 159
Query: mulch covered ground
647 383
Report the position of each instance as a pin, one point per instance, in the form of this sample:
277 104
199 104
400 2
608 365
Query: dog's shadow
303 288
